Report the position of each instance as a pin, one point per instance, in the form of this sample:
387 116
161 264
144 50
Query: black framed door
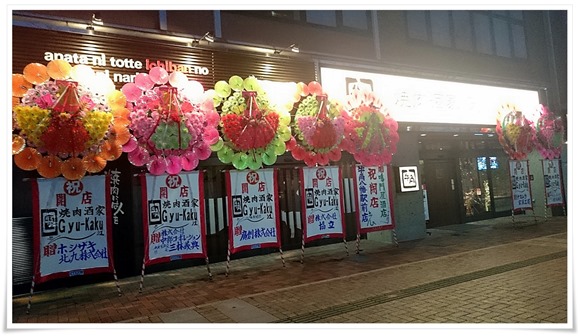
442 192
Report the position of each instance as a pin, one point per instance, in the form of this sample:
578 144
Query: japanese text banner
521 190
252 209
374 207
173 217
322 206
553 182
72 227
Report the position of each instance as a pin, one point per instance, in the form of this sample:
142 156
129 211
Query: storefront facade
121 58
446 128
450 127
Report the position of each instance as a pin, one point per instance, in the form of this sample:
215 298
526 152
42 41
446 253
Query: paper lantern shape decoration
370 133
172 126
515 132
318 127
549 134
62 120
253 133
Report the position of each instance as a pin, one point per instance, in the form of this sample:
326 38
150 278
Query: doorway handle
452 184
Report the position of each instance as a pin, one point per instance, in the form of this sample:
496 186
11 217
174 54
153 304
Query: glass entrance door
475 184
501 184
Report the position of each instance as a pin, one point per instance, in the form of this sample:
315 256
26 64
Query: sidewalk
333 287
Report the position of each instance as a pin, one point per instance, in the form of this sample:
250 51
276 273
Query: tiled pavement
484 272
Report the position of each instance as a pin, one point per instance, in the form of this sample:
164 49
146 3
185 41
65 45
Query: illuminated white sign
430 101
408 178
114 63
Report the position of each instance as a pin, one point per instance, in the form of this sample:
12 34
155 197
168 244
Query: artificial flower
253 133
515 132
549 134
62 120
318 127
370 132
170 131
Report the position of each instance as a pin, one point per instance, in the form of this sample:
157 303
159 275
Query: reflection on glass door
476 185
501 183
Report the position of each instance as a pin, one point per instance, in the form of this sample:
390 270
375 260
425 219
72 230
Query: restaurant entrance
466 178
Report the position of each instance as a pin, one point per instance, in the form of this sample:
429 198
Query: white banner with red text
322 203
373 197
521 188
72 227
252 209
173 217
553 182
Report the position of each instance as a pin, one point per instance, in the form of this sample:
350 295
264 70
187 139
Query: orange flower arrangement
61 126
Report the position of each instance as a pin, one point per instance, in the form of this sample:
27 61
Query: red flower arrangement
318 127
253 133
249 131
515 132
370 133
549 134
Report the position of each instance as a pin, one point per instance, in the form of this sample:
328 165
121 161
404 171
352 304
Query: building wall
409 215
395 48
546 39
280 34
398 48
386 49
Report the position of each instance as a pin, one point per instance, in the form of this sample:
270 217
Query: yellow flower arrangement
97 124
513 132
32 120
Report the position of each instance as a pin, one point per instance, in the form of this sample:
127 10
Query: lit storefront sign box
408 177
430 101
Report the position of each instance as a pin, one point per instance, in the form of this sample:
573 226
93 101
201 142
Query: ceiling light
292 47
97 19
207 36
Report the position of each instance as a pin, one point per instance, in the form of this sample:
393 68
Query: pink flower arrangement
549 134
318 127
370 132
170 132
